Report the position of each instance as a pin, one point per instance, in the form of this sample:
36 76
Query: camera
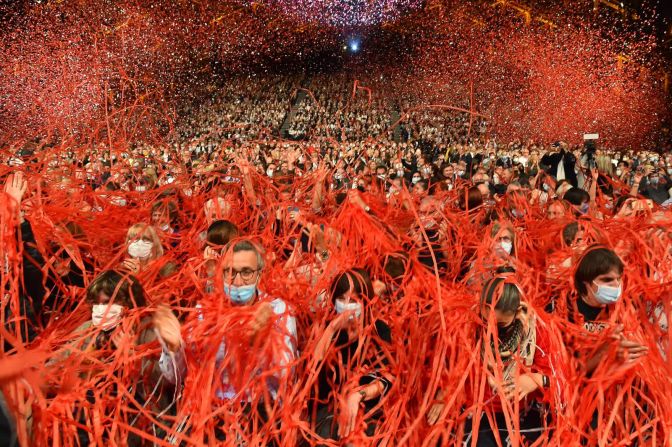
589 149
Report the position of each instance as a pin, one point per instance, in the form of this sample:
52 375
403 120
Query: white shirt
173 366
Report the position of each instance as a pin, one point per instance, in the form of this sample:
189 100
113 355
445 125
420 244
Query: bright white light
354 46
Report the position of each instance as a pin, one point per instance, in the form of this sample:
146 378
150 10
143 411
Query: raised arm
172 362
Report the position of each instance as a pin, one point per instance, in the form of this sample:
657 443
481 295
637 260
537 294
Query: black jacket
552 161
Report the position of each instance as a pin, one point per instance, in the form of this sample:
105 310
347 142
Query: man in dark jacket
560 163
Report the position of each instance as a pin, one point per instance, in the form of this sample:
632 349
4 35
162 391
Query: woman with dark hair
342 361
513 339
46 278
471 199
119 322
579 199
218 235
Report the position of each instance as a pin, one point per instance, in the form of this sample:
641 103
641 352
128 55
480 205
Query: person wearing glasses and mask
242 264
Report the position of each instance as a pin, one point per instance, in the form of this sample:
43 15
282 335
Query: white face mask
353 306
506 246
140 249
188 192
269 172
106 316
118 201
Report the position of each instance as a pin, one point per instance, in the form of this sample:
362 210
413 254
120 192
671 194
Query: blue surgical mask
240 294
608 294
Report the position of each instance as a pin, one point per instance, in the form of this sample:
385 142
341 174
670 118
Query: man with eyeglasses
242 266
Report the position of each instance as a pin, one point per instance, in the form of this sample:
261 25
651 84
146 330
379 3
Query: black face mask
504 332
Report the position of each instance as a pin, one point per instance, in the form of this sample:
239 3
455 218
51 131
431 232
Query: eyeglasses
246 274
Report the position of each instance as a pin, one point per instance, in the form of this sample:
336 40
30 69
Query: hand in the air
167 327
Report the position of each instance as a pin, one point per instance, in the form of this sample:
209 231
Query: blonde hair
149 231
604 165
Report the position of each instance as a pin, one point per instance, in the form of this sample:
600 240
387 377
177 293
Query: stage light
354 46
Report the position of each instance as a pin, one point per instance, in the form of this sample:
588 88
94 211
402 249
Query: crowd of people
242 289
247 109
342 108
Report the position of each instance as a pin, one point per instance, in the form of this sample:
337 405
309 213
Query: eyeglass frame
232 273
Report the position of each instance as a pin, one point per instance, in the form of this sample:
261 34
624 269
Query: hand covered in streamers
131 265
628 350
525 385
167 327
261 318
349 414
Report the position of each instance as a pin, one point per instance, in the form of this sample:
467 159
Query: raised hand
16 186
167 327
261 317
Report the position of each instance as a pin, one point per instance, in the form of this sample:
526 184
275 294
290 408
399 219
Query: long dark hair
356 280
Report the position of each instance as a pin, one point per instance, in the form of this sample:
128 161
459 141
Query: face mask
353 306
269 172
140 249
106 316
338 176
608 294
669 171
415 180
118 201
584 208
619 172
506 246
240 294
460 173
545 187
654 180
381 176
187 192
504 333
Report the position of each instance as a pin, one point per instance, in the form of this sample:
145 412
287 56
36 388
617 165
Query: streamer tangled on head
393 267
